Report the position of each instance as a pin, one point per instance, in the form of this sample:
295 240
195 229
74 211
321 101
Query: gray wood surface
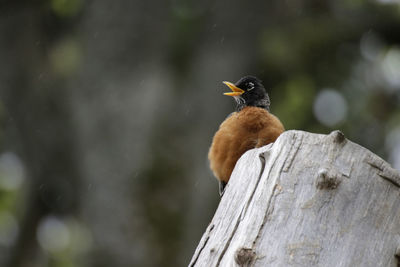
306 200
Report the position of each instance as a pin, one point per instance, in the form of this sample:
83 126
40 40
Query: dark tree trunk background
39 120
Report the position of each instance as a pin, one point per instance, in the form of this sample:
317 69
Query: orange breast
251 127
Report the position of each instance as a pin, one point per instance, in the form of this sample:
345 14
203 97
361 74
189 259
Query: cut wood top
306 200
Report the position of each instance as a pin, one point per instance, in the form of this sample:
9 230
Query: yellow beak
235 90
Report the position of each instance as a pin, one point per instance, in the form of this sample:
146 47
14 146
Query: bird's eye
250 86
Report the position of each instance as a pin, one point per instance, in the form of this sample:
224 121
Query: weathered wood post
306 200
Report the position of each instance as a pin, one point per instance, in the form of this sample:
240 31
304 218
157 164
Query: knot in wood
337 136
245 257
327 181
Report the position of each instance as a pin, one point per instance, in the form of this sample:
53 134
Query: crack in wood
268 211
228 243
295 146
203 246
262 157
244 210
389 179
384 171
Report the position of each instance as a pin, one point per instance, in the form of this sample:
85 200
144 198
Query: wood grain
306 200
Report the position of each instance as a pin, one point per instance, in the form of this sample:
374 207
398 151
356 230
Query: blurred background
108 108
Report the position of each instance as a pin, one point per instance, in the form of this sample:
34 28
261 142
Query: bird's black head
249 91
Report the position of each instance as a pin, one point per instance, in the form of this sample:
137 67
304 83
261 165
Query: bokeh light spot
388 2
330 107
53 235
371 46
392 145
394 156
81 239
391 67
65 57
11 171
66 8
8 228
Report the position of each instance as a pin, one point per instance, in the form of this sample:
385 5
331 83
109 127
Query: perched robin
251 126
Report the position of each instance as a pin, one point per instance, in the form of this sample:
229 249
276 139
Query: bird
250 126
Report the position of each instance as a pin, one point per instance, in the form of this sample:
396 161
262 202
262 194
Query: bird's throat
260 103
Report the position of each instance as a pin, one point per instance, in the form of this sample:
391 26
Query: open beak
235 90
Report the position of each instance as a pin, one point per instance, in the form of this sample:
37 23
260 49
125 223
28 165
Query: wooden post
306 200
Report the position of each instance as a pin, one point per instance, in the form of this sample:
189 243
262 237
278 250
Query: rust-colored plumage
249 127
